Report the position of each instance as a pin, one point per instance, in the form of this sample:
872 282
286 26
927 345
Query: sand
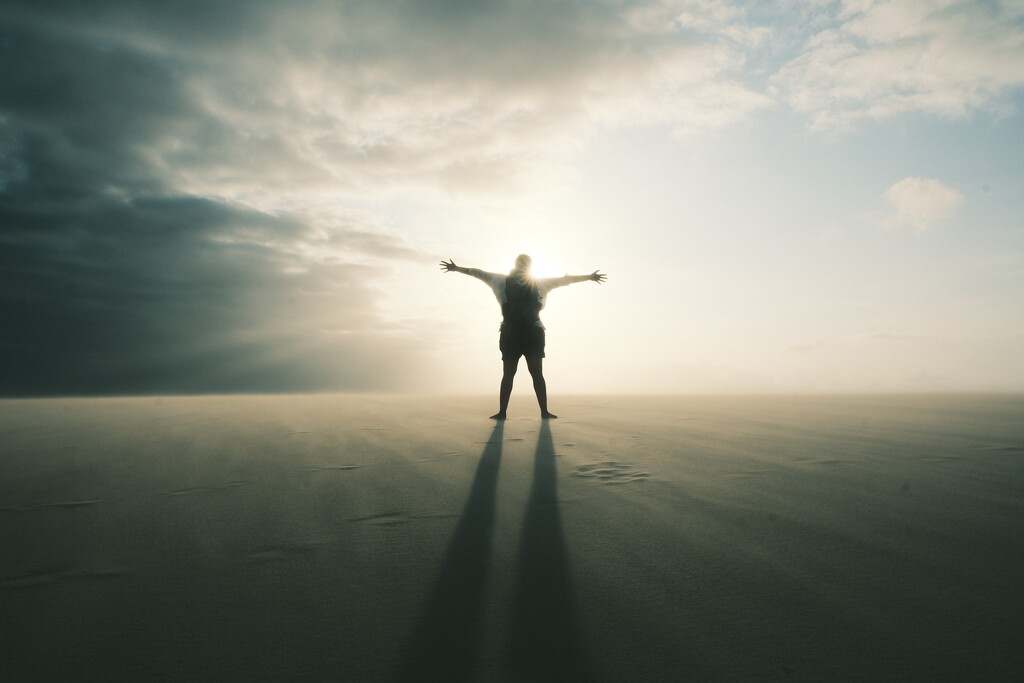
356 538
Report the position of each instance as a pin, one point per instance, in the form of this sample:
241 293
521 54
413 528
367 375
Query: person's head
523 263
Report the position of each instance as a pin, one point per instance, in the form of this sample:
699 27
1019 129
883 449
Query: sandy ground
357 538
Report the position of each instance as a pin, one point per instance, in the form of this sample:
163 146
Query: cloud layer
179 182
114 278
880 58
921 203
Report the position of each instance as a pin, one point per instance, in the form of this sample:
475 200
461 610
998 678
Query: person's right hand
449 266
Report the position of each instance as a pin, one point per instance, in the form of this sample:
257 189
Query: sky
787 196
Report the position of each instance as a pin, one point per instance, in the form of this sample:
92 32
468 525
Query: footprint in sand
1007 449
610 472
53 506
384 519
45 578
442 456
333 468
398 517
281 551
206 489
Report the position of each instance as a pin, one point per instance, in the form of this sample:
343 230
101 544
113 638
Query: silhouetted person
522 297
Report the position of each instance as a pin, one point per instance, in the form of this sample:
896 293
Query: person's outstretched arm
450 267
553 282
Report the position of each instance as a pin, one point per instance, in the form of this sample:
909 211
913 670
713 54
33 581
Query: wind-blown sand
397 538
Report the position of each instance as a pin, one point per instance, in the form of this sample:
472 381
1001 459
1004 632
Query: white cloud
722 19
885 57
358 97
687 88
922 202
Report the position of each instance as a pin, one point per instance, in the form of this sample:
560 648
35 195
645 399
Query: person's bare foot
548 416
498 416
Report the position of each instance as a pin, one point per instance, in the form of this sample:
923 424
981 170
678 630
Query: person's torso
522 301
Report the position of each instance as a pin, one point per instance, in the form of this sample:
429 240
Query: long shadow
545 643
446 643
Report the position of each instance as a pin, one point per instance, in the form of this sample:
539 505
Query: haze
796 196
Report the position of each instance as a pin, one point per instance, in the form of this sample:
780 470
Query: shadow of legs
545 645
445 645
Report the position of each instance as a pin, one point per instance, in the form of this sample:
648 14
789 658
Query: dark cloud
114 280
179 295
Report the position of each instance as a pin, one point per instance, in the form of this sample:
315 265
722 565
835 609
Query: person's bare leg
508 374
540 387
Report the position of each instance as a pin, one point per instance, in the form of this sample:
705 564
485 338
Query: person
522 297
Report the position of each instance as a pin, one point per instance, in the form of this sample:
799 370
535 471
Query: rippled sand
401 538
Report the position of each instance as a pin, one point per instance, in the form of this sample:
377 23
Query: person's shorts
521 340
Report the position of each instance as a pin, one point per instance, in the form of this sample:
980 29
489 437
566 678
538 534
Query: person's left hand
598 277
449 266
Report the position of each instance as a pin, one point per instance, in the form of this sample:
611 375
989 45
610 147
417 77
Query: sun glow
543 264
